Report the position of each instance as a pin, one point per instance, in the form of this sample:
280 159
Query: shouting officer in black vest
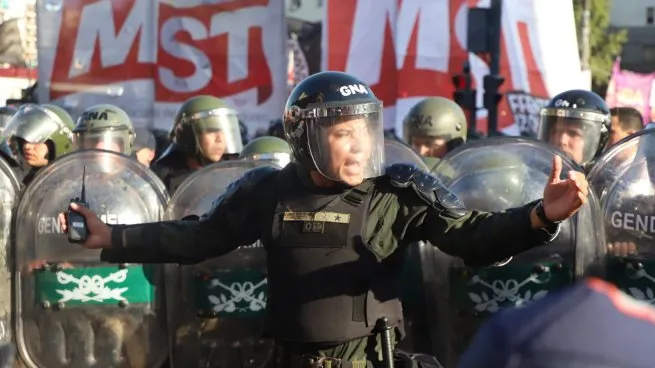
335 226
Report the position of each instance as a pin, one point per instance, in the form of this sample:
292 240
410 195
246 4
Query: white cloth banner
149 56
410 49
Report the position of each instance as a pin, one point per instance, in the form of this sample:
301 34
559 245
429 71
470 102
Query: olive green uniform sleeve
482 238
237 218
399 217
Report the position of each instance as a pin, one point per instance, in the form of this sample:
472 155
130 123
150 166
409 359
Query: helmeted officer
578 123
206 130
335 226
435 126
268 148
105 127
38 134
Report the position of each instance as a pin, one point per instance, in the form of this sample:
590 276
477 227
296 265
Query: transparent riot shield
9 189
623 178
216 316
412 294
72 309
496 174
398 153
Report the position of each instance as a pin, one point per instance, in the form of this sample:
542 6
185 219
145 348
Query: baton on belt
383 328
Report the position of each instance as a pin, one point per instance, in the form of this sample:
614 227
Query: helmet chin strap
451 144
50 156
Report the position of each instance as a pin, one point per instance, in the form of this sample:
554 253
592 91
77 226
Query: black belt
311 361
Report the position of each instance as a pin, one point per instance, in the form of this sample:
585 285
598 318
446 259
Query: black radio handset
77 229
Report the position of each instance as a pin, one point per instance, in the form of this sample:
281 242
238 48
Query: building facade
25 12
638 18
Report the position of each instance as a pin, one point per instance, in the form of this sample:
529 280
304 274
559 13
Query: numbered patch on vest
314 222
313 227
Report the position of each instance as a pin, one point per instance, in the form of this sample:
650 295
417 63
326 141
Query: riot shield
496 174
216 316
73 309
9 189
398 153
623 178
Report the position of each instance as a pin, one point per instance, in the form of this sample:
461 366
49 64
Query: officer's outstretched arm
236 218
479 238
483 238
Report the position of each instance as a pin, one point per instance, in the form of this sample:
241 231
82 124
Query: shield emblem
73 309
623 178
398 153
216 318
496 174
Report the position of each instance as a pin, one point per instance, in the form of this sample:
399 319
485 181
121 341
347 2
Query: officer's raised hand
563 197
99 235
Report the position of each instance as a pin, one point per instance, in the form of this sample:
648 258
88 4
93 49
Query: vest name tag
332 217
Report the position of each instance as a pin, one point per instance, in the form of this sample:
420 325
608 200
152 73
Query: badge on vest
333 217
314 222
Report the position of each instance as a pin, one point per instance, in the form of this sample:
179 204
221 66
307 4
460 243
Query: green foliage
606 44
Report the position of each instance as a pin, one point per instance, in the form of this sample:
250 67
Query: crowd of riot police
62 307
130 177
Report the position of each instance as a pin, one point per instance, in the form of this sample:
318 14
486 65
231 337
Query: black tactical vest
325 284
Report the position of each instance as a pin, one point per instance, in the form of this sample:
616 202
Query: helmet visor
111 140
574 132
217 131
33 124
280 159
346 143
